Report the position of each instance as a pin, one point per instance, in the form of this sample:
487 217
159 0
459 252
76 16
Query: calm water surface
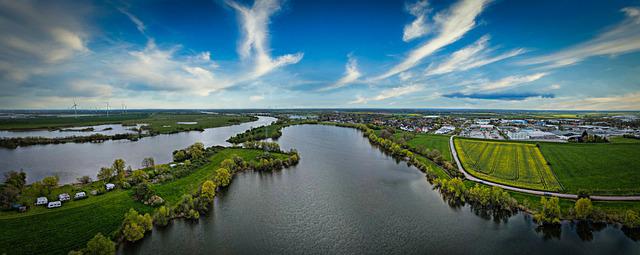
98 129
345 196
72 160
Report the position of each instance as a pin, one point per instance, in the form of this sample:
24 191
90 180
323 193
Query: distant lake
72 160
347 197
109 129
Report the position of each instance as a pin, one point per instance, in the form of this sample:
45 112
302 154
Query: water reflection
72 160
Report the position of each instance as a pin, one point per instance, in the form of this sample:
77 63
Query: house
42 201
80 195
64 197
110 186
54 204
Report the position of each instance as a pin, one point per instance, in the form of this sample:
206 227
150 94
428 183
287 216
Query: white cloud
419 26
139 24
472 56
620 39
161 70
351 74
506 83
389 93
255 46
256 98
451 24
629 101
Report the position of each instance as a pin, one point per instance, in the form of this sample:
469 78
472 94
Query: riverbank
72 225
154 124
616 212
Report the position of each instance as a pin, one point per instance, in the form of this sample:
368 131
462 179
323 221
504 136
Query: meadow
431 141
158 122
57 231
603 169
514 164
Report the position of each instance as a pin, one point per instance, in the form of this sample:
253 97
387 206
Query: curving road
530 191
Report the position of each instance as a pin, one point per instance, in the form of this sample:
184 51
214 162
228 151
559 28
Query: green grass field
431 141
57 231
159 122
515 164
612 169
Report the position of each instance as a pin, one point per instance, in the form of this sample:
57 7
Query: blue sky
560 55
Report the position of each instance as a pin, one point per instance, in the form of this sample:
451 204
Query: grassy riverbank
57 231
157 122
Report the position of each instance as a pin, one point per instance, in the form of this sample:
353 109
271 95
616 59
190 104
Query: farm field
604 169
69 227
515 164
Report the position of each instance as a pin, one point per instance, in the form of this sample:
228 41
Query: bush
135 225
550 213
155 201
222 177
631 219
162 216
100 244
142 192
583 208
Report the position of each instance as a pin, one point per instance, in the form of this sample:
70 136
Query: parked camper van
80 195
54 204
42 201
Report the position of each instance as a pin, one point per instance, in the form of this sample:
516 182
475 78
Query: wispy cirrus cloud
389 93
419 26
255 43
620 39
517 96
351 74
472 56
450 24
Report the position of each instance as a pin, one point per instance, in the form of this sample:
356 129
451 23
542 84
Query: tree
196 150
148 163
50 182
142 192
100 245
139 176
119 167
208 190
583 208
84 179
14 183
179 156
105 174
135 225
222 178
550 212
631 219
162 216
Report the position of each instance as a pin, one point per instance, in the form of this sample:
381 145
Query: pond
72 160
346 196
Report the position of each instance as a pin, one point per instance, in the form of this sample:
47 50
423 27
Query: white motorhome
110 186
42 201
80 195
54 204
64 197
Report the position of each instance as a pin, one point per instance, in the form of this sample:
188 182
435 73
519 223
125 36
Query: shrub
583 208
550 213
100 244
135 225
222 177
162 216
631 219
142 192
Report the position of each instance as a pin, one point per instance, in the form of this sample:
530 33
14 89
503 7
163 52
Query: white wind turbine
75 108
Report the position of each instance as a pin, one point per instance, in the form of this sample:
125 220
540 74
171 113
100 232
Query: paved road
535 192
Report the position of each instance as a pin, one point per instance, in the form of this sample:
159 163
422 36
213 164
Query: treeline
272 131
15 142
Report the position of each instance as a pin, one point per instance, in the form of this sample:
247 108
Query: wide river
70 161
347 197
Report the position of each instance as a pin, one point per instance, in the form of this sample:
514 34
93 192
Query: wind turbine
75 108
107 109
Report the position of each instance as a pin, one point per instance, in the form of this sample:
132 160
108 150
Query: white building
519 135
445 129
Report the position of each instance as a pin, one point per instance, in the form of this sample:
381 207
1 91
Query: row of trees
14 142
267 146
491 198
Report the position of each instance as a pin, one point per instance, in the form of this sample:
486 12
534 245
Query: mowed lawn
612 169
514 164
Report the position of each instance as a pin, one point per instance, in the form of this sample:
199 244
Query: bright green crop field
514 164
438 142
612 169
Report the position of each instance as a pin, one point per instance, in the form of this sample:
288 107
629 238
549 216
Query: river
346 196
72 160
